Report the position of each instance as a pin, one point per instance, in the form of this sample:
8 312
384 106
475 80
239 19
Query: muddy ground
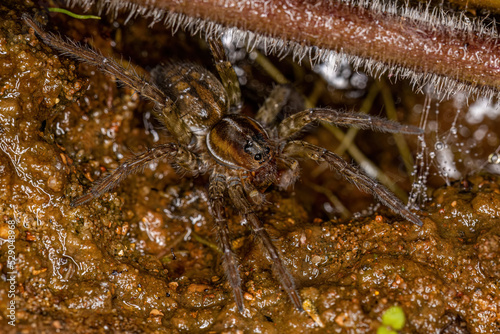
143 258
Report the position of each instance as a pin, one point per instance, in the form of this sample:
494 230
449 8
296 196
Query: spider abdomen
198 96
239 142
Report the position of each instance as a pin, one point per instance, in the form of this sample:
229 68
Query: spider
242 156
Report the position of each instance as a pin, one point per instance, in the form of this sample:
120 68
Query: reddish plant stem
493 5
395 42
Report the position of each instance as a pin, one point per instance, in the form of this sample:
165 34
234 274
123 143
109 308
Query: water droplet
439 146
453 130
494 158
432 155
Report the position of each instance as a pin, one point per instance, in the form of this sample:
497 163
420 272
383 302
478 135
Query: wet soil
143 258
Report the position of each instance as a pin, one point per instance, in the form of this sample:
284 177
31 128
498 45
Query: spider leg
173 152
302 149
174 124
274 103
237 195
293 124
106 65
216 194
226 72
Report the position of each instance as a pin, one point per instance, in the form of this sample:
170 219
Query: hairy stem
450 52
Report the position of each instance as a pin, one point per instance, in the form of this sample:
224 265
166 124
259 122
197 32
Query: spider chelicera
242 156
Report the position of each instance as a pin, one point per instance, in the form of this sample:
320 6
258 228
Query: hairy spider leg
216 191
273 104
293 124
302 149
228 76
174 153
239 200
174 124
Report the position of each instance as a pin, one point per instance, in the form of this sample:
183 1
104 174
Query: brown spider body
239 142
200 98
241 155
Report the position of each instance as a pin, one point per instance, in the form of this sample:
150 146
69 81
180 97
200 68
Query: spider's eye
247 146
268 150
258 156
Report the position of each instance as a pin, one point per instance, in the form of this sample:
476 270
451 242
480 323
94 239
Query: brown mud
142 257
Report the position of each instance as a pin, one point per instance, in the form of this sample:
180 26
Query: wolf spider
243 156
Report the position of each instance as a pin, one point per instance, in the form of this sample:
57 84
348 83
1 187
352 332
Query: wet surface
144 258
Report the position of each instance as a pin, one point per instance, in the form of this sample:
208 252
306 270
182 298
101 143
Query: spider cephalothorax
239 142
241 155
